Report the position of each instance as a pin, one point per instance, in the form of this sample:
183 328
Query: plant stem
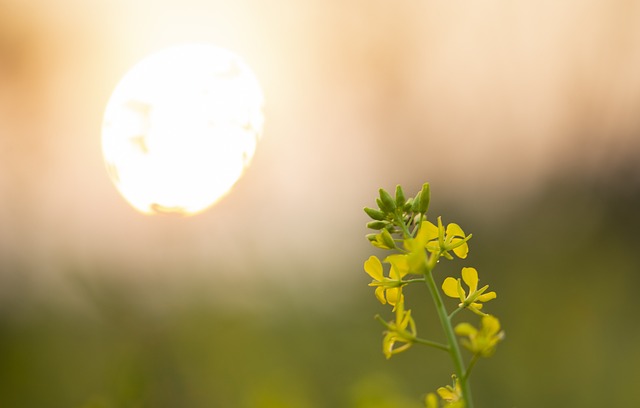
431 344
402 225
474 359
454 348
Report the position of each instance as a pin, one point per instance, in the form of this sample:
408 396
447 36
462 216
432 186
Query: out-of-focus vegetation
566 267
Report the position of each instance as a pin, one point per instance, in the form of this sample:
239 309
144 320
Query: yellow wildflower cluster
418 245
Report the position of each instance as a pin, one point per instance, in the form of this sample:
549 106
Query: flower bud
425 197
415 205
387 239
408 204
375 214
377 225
400 199
388 204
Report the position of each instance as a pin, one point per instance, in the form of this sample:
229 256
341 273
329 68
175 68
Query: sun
181 127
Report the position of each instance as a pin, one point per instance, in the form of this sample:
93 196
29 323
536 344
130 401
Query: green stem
430 343
455 312
454 348
473 361
401 224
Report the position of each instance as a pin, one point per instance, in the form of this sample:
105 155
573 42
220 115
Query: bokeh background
524 117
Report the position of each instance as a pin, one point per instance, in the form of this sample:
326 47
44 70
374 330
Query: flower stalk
418 245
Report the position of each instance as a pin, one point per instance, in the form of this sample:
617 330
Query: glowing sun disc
180 128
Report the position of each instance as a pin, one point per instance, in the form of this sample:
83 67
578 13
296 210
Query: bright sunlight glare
181 127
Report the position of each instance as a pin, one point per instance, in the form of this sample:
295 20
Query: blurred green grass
565 267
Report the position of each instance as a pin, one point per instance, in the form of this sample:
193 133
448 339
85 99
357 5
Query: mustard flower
388 289
453 239
401 333
431 401
481 342
453 288
456 240
437 239
450 395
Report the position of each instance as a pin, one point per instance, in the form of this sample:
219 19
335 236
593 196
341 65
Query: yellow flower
452 395
388 289
455 240
453 288
400 334
482 342
437 239
431 401
449 393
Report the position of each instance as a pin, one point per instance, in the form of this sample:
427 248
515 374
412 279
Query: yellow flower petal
462 251
428 231
406 319
491 324
465 329
485 297
450 287
393 294
475 308
431 401
454 230
433 246
373 267
461 293
399 265
416 257
470 277
387 345
447 394
380 294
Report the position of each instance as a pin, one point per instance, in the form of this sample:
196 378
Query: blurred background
523 116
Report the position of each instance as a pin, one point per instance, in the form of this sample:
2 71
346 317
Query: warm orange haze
524 117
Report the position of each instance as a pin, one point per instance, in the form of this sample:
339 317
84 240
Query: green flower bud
425 197
377 225
387 239
400 199
415 205
408 204
388 203
371 237
375 214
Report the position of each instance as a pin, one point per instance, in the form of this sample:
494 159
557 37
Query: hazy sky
489 100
